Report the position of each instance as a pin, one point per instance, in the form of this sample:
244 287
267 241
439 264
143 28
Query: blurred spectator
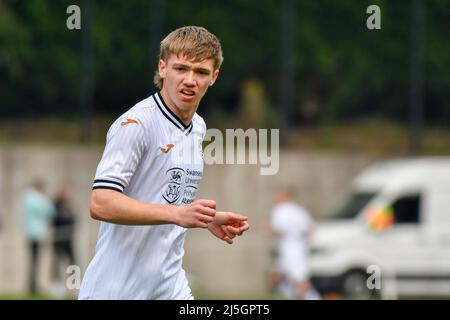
38 211
64 227
292 226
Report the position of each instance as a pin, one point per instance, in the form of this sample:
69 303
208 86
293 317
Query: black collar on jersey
172 117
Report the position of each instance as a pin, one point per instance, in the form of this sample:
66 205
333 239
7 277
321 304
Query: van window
407 209
354 204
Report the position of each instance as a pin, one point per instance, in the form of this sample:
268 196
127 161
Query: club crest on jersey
172 191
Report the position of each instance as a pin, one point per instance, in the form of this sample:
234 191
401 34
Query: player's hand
198 214
227 225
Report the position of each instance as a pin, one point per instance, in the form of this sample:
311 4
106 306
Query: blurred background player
64 228
38 212
292 225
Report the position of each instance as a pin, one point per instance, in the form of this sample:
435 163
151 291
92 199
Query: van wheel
354 286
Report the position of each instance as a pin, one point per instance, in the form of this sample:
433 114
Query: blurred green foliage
343 70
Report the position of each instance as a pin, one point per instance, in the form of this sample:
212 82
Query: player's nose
189 80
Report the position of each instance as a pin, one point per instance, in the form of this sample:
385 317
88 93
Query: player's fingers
239 230
237 216
201 224
228 240
199 215
205 218
207 211
227 232
207 203
233 230
244 228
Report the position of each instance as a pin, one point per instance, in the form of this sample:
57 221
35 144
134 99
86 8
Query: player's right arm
115 207
128 140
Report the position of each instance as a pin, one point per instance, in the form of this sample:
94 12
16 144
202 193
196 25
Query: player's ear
162 68
214 77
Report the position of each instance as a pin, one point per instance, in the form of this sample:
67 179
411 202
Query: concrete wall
237 270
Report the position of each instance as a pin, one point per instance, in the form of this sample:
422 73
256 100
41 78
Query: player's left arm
227 225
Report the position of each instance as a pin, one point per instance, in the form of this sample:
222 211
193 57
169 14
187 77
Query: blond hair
191 42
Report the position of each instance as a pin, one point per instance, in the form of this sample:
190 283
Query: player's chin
187 105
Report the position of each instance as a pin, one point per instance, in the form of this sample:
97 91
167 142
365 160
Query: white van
391 236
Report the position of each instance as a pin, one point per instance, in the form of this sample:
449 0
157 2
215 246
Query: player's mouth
187 94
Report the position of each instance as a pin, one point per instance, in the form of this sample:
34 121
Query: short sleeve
125 145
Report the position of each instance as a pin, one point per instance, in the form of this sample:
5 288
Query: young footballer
146 182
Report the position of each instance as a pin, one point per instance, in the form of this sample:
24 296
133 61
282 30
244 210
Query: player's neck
184 115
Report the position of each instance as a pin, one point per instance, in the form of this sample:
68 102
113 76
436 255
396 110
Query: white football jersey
151 156
292 223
